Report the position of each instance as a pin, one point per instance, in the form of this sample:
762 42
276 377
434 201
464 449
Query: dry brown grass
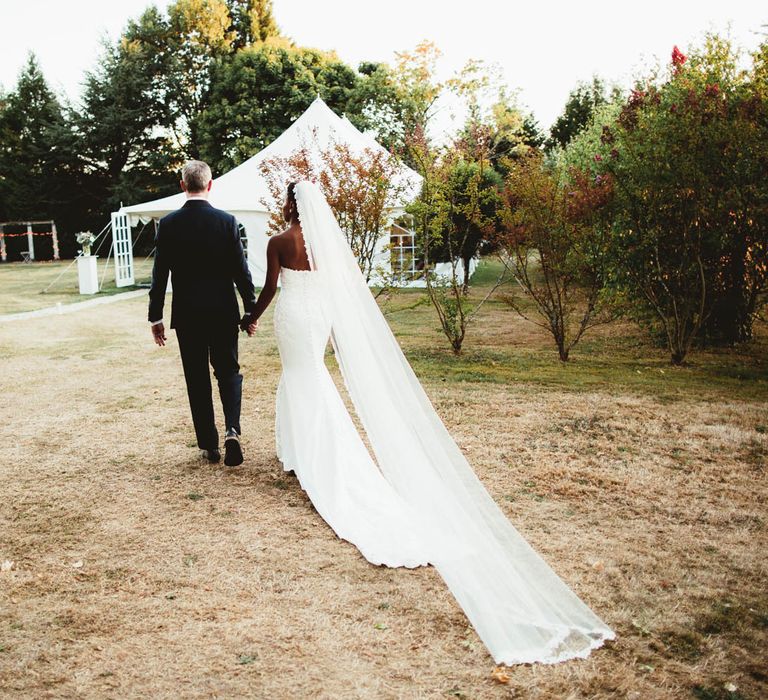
201 582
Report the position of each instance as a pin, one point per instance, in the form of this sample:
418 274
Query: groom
200 247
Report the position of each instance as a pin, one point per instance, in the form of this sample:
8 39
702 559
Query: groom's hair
196 175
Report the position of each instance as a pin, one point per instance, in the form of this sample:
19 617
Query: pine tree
577 113
32 126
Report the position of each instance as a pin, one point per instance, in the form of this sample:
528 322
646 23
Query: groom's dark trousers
199 246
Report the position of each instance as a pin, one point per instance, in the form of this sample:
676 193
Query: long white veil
520 608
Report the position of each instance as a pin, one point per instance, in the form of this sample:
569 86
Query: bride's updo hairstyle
293 208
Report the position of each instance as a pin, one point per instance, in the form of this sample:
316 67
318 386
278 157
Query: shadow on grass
630 368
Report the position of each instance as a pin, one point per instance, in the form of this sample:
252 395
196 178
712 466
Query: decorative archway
30 233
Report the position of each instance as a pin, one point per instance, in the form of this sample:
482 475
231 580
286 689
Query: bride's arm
270 284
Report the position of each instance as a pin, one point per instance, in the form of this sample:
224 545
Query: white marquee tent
243 189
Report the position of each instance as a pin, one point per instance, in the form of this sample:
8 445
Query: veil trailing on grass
521 609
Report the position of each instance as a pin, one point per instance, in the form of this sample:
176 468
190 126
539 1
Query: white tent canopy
243 190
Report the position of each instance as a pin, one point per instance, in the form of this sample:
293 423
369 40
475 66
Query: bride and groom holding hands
413 500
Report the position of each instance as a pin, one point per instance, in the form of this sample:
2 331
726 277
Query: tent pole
106 265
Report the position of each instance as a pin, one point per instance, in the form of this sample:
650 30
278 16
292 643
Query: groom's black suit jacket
200 247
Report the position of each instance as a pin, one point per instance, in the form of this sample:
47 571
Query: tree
4 139
39 172
260 91
688 156
555 246
32 162
466 220
123 154
577 113
453 214
362 189
184 47
252 21
415 77
378 104
513 134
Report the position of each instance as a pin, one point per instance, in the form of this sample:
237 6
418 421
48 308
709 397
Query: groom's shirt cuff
154 323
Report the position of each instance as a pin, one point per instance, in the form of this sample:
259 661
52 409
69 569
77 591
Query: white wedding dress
416 500
318 440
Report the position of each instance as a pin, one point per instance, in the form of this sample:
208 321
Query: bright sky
544 47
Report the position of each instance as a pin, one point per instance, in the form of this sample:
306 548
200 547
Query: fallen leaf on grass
77 565
500 675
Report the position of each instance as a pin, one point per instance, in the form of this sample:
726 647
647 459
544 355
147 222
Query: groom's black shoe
233 453
212 456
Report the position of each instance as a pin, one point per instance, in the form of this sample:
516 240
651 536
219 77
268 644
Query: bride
418 502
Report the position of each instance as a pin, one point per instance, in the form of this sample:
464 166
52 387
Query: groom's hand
249 324
158 333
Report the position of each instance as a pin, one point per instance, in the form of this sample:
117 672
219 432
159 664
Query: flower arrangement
85 239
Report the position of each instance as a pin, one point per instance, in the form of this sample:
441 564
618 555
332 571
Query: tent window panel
405 261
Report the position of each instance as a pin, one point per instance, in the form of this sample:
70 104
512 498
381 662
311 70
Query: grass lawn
31 286
138 571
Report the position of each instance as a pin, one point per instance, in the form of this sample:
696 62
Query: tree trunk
562 351
678 357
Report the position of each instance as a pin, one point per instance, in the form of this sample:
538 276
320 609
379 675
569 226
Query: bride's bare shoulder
288 234
276 239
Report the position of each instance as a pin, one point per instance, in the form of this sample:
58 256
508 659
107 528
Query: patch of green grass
502 348
24 284
487 272
195 496
610 366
